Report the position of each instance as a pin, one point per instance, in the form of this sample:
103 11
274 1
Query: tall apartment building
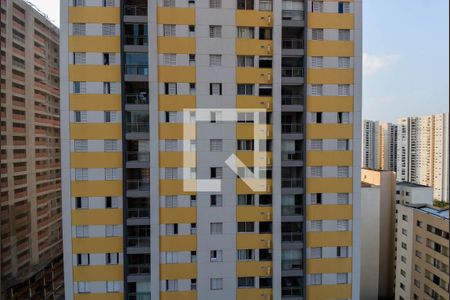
388 134
423 152
30 205
422 252
159 98
371 145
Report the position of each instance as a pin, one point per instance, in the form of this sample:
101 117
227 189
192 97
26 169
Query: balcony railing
140 98
292 71
138 242
293 15
136 70
138 127
138 185
291 236
139 269
138 156
291 155
291 264
135 10
291 291
138 212
293 44
292 182
139 296
292 128
292 99
136 40
291 210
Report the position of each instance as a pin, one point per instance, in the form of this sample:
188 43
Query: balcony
139 269
292 72
135 10
139 70
136 40
291 237
138 244
138 213
291 264
292 44
142 185
138 156
138 128
292 155
293 15
292 128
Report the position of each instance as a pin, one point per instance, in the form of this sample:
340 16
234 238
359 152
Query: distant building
31 228
370 145
388 134
377 234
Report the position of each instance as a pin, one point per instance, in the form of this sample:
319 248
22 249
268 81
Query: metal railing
292 128
138 242
291 236
139 296
138 185
291 182
139 269
293 15
140 98
138 127
138 156
292 99
135 10
291 291
138 212
291 210
136 40
136 70
292 71
291 155
291 264
293 44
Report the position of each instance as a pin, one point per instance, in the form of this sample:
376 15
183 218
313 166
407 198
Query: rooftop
411 184
440 213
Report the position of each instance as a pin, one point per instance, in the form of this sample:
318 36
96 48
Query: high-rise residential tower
423 152
388 147
210 149
371 145
30 201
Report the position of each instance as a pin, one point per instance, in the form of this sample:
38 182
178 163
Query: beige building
377 234
422 252
30 200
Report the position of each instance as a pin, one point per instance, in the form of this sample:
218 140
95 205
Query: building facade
371 145
211 149
422 252
388 147
31 228
423 152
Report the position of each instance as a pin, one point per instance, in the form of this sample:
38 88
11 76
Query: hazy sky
406 47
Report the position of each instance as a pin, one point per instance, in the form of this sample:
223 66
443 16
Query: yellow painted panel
253 213
329 239
95 102
326 292
253 131
329 212
185 295
94 14
329 265
253 241
97 245
176 15
254 268
254 18
94 73
178 243
96 188
97 273
331 20
178 271
244 188
254 159
177 159
98 296
330 76
97 216
254 102
179 215
253 294
177 131
254 75
253 47
96 131
175 187
91 43
330 104
329 131
176 102
329 158
329 185
96 160
177 74
176 45
331 48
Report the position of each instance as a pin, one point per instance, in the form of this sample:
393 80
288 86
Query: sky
406 56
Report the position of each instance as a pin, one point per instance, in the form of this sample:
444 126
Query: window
342 252
245 145
316 225
246 200
344 90
171 229
111 202
79 58
342 278
404 232
170 173
343 117
246 227
170 59
215 60
216 173
344 34
171 257
317 34
316 171
80 116
216 284
215 3
110 145
79 3
246 254
169 30
344 62
80 145
216 228
317 62
343 198
317 6
81 174
245 4
113 286
246 117
108 29
316 144
82 231
171 201
245 61
215 89
112 258
171 116
344 7
111 174
170 88
109 59
317 90
404 246
245 89
79 87
316 199
216 200
192 60
246 282
82 202
78 29
107 88
316 252
405 218
171 285
216 145
83 259
216 256
170 145
215 31
169 3
83 287
316 117
342 225
112 230
316 279
343 172
108 3
343 145
110 116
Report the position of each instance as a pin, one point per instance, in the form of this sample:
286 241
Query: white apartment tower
388 146
370 145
